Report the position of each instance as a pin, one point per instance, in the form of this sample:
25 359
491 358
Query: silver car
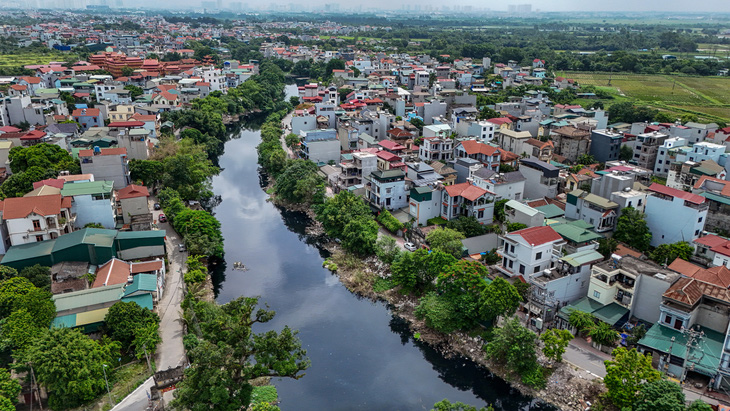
410 246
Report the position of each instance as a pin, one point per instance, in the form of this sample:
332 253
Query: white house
598 211
466 199
133 205
436 148
674 215
529 251
36 218
504 185
387 189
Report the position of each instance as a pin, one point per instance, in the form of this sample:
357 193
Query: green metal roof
551 210
66 321
611 313
585 304
131 235
715 197
87 188
574 233
582 257
28 251
705 356
143 300
96 236
703 171
84 298
143 283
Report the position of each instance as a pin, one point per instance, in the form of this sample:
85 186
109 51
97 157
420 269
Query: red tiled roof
34 135
723 249
53 182
387 156
391 145
21 207
146 266
466 190
668 191
500 120
104 152
623 250
538 235
684 267
133 191
399 132
475 147
711 240
114 271
93 112
142 117
685 290
725 184
10 129
126 124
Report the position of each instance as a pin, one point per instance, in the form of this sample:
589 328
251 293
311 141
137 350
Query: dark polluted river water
363 358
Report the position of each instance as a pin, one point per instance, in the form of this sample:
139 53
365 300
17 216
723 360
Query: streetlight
103 368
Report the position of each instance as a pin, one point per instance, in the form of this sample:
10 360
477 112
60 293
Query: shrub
389 222
438 313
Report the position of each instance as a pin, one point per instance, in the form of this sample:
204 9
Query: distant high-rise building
519 8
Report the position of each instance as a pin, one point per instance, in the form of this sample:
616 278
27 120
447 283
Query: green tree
469 226
625 374
124 319
417 122
20 294
499 298
386 249
446 240
603 334
586 159
554 343
93 225
19 184
9 388
7 272
499 210
626 153
515 227
300 183
462 284
197 224
667 253
226 355
581 320
632 229
134 91
359 236
660 395
70 365
438 312
514 346
188 171
416 271
334 64
127 71
699 405
46 156
38 275
292 140
146 171
606 246
337 211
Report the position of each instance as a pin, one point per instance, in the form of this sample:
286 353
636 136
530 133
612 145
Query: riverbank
567 388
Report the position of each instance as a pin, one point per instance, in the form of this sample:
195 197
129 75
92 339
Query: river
363 358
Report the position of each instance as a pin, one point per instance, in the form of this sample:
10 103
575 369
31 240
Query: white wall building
674 215
529 251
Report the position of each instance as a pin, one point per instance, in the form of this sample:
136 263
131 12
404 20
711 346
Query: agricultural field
708 95
20 60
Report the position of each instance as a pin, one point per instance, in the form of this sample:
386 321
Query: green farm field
704 95
20 60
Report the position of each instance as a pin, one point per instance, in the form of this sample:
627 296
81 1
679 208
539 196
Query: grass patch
264 394
383 284
124 380
347 261
436 221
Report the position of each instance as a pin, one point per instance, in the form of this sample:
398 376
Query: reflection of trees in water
218 276
297 222
465 375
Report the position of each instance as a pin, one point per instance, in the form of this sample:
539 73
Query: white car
410 246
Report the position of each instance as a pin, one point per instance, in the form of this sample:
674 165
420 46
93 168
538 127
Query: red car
163 219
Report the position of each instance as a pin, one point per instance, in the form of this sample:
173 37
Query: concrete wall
108 168
89 210
533 186
647 298
134 206
686 227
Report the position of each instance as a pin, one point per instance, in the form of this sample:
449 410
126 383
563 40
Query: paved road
587 360
170 352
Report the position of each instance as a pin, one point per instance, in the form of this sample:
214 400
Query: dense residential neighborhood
471 185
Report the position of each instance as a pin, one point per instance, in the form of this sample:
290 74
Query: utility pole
693 339
103 368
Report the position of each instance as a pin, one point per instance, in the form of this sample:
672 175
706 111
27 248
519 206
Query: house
539 150
116 271
355 170
386 189
529 251
448 173
36 218
688 212
717 193
504 185
133 206
488 155
605 145
516 212
512 140
562 283
646 150
598 211
570 142
88 117
320 146
712 250
91 202
541 178
466 199
109 164
92 245
424 203
436 148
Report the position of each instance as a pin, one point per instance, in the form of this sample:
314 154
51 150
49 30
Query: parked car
162 218
410 246
181 248
157 206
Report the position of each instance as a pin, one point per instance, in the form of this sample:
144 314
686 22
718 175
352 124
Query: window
536 270
511 263
596 294
39 238
697 232
700 220
538 255
522 269
512 248
667 319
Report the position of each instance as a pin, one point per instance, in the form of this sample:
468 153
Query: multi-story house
320 146
110 164
598 211
36 218
488 155
355 171
562 283
539 150
88 117
605 145
541 178
717 193
436 148
647 148
699 132
466 199
504 185
513 140
386 189
529 251
570 142
674 215
134 208
424 203
92 202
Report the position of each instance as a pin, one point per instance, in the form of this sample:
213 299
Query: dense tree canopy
632 229
124 319
625 375
446 240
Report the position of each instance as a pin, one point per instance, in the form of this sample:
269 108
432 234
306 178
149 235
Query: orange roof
725 184
466 190
624 250
104 152
76 177
133 191
86 112
142 117
146 266
475 147
684 267
673 192
21 207
711 240
538 235
114 271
